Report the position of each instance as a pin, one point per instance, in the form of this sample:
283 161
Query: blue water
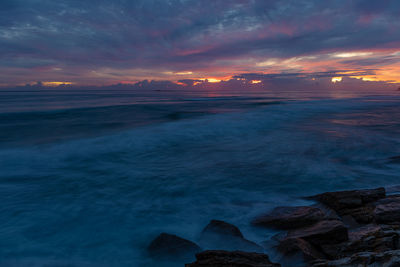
90 178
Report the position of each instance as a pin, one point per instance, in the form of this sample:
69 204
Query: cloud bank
104 42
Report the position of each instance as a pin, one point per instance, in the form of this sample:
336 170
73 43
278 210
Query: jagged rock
388 210
364 259
323 232
342 200
369 238
220 258
292 247
167 246
376 238
290 217
359 204
222 235
362 215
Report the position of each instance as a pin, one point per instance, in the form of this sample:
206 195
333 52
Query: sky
189 42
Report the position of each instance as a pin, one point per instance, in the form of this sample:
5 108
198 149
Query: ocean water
90 178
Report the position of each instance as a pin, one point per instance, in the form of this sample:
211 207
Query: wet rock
369 238
364 259
216 227
290 217
343 200
362 215
350 222
295 247
172 247
388 210
359 204
222 235
376 238
220 258
323 232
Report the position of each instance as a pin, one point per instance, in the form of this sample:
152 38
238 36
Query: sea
91 177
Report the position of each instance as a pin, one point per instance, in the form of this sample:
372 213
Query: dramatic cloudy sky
110 41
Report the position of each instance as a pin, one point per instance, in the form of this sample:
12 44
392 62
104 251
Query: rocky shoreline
344 228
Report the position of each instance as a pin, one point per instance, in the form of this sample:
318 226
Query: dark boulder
299 248
364 259
388 210
358 204
225 236
222 228
375 238
343 200
290 217
323 232
171 247
369 238
220 258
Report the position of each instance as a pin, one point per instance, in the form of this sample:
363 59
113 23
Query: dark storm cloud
82 36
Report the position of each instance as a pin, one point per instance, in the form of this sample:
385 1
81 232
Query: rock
292 247
365 259
362 215
172 247
369 238
222 228
359 204
350 222
388 210
323 232
225 236
343 200
375 238
290 217
220 258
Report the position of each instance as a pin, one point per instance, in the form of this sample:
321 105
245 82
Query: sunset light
255 81
200 133
336 79
353 54
56 83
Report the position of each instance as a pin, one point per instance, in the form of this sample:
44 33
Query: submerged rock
220 258
395 159
221 228
222 235
172 247
290 217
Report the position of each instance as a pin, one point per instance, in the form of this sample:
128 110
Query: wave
102 199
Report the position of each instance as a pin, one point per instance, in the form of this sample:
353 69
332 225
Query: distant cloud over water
105 42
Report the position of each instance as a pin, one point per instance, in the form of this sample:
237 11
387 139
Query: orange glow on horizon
211 80
179 83
255 81
336 79
53 84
